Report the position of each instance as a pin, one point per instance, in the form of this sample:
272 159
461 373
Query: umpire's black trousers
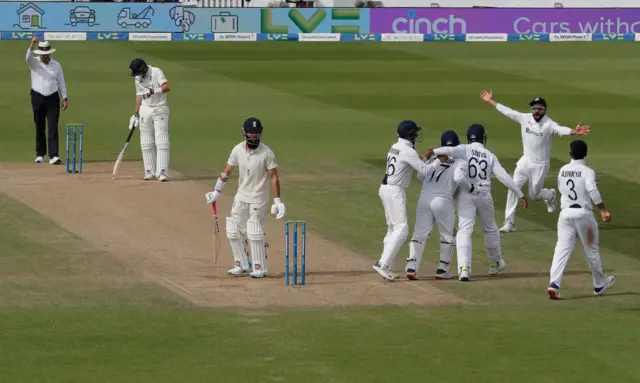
46 109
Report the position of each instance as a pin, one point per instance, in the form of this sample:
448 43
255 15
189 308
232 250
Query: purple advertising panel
503 20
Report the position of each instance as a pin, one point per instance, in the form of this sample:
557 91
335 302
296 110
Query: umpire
47 85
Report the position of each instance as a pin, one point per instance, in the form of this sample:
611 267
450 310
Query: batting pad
162 143
255 234
147 145
237 248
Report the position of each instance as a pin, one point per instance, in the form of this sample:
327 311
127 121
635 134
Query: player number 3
572 186
474 164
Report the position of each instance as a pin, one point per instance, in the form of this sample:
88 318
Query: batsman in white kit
577 185
257 166
402 158
481 164
537 131
152 117
435 206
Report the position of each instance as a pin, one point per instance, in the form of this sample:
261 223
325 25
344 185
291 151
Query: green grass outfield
330 112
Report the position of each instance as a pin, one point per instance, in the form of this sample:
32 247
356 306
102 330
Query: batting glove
134 121
212 196
278 209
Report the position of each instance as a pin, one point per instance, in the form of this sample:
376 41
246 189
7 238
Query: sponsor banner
360 37
90 17
637 36
235 37
569 37
21 35
277 20
192 37
528 37
115 36
504 20
318 36
73 36
277 37
444 37
612 37
486 37
390 37
150 36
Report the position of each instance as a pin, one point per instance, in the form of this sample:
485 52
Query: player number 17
445 167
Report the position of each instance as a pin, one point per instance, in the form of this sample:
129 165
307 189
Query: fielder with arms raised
577 184
152 116
257 164
537 131
435 206
481 165
402 158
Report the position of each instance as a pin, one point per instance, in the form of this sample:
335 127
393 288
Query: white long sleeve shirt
46 79
154 79
536 136
577 184
481 164
444 180
402 158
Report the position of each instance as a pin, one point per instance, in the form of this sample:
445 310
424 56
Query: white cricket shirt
481 164
536 136
402 158
46 79
443 180
253 175
577 184
153 79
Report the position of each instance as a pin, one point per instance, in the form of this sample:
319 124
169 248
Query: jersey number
445 167
474 165
572 186
391 167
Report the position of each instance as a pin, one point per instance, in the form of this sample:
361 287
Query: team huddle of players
461 175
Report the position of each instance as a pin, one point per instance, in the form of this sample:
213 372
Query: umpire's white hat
44 48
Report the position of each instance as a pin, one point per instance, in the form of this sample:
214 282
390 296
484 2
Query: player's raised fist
486 95
34 40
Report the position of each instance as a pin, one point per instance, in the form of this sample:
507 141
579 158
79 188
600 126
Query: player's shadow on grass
593 296
524 275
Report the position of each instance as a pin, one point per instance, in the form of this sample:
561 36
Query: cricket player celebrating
577 185
481 164
402 158
152 116
537 131
435 206
257 164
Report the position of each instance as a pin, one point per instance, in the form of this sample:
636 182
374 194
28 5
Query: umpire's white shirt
253 183
536 136
46 79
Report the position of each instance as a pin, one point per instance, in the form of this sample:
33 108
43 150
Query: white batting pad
147 144
236 241
162 143
255 234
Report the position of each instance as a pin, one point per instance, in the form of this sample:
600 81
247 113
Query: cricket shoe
508 227
238 272
385 272
554 292
149 176
412 275
442 274
162 177
496 268
601 290
463 276
39 160
551 204
258 274
55 160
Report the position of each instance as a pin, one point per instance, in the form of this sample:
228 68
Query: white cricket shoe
601 290
39 160
508 227
258 274
442 274
463 275
551 204
496 268
162 177
238 272
149 176
385 272
55 160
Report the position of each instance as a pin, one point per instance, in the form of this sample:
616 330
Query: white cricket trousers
394 202
432 210
240 236
470 207
572 223
535 173
154 139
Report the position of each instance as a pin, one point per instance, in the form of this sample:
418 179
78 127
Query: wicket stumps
74 129
303 251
